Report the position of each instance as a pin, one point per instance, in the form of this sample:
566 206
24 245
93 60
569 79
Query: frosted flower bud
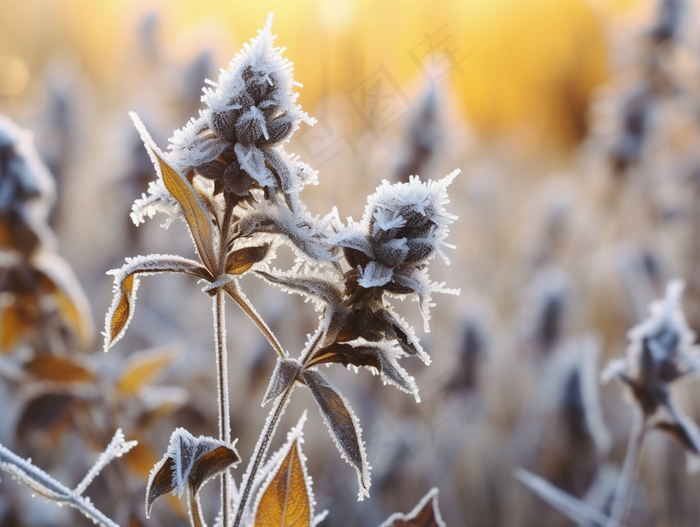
251 110
404 225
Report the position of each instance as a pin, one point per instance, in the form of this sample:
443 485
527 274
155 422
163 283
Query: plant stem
222 392
43 484
625 483
261 450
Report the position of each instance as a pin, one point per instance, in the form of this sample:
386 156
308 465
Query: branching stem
41 483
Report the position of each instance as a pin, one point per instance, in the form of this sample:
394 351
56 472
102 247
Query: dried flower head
236 142
404 226
661 351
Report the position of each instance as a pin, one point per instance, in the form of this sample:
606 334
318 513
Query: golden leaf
144 366
121 315
70 298
126 281
238 262
285 501
58 369
13 327
195 215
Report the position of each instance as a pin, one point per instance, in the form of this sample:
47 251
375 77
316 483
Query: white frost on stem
117 447
42 483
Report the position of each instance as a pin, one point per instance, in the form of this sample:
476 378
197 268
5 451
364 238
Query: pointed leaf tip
425 514
282 378
285 501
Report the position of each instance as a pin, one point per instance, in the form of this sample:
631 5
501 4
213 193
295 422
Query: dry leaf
44 412
126 281
58 369
189 460
282 378
195 215
240 261
342 423
380 357
13 328
285 500
143 367
70 298
425 514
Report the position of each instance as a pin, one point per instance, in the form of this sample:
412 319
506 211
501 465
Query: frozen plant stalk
226 174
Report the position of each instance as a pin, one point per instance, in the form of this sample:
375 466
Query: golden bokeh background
530 63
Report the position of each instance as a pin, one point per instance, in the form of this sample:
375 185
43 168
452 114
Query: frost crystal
251 110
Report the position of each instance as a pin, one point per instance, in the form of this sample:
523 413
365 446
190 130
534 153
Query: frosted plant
227 175
44 485
629 130
26 191
38 283
661 351
192 461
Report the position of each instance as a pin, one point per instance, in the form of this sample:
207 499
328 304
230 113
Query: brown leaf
195 215
342 424
210 465
285 501
126 281
161 482
685 432
13 328
189 460
377 357
240 261
59 369
143 367
124 309
71 301
425 514
44 412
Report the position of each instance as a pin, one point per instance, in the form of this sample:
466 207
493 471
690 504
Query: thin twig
41 483
625 483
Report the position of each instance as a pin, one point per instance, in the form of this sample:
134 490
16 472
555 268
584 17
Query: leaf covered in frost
342 423
126 282
190 461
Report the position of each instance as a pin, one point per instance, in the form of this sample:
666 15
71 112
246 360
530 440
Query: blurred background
576 124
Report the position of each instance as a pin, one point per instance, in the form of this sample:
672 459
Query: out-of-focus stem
222 391
625 484
41 483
